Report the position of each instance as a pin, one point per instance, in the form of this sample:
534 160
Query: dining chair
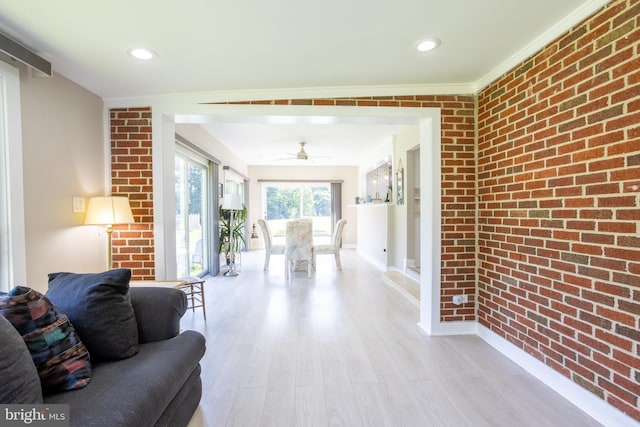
298 245
269 247
334 246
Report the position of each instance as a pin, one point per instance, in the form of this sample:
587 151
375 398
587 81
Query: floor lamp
107 211
232 203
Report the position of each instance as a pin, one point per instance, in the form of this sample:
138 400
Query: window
12 243
192 213
290 200
5 277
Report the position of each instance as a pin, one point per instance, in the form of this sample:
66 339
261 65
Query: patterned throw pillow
60 357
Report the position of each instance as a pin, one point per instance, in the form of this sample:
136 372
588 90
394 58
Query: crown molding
293 93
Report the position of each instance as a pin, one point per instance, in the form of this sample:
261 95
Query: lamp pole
231 271
109 229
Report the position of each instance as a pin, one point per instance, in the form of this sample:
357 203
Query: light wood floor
343 349
407 287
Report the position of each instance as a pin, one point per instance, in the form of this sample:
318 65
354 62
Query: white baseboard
451 328
588 402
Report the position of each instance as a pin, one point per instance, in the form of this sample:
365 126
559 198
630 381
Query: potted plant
231 232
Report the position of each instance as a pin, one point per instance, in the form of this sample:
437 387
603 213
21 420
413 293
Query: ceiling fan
302 154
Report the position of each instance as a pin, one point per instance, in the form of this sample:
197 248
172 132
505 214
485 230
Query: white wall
413 206
406 140
64 156
375 221
347 174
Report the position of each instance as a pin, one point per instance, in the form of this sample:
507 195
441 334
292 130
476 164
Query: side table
193 287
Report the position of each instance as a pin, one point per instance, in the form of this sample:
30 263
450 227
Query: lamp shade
232 202
108 210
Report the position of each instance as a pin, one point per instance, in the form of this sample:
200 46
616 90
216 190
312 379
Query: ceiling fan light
302 155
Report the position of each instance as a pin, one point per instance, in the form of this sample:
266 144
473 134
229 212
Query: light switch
78 204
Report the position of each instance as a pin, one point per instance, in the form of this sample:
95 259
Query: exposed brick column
132 176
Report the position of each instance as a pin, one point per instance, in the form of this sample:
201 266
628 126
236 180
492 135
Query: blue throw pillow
60 357
99 306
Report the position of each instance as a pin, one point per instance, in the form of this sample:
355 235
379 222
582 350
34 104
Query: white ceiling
214 46
335 144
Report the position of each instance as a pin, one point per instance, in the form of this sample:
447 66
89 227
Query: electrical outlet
460 299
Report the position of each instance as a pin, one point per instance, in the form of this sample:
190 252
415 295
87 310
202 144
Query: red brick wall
559 214
458 187
131 176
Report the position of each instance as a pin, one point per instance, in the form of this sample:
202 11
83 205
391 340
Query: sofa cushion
136 391
99 306
58 353
20 382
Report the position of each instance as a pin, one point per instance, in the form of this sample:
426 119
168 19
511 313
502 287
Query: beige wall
63 151
347 174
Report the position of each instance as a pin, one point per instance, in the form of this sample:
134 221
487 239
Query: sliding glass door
192 213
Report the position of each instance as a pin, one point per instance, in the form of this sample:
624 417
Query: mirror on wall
379 184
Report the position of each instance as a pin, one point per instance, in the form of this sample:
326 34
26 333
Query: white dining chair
334 247
298 245
269 247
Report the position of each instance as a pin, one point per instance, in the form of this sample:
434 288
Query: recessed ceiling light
427 44
143 53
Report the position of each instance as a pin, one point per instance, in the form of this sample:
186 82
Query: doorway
413 213
428 121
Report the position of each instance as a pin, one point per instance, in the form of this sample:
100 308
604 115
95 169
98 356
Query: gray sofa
158 386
